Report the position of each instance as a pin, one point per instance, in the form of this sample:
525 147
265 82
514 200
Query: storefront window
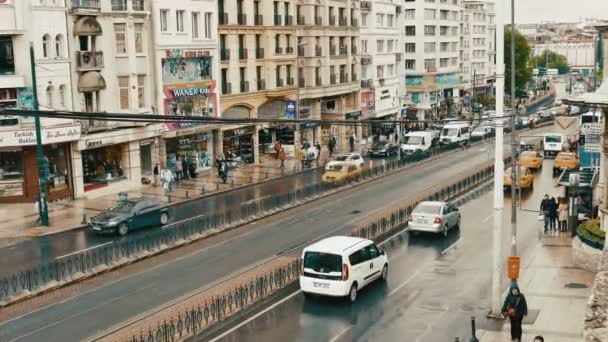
11 173
103 165
57 156
238 144
193 148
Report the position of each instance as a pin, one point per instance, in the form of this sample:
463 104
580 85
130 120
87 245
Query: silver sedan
435 217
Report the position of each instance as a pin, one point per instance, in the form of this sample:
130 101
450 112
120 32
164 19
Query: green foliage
556 61
592 234
523 71
485 100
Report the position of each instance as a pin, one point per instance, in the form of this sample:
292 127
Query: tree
556 61
523 71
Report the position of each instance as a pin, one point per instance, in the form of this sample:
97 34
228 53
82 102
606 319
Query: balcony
261 85
94 125
301 51
277 19
332 79
343 50
318 81
223 18
301 82
332 20
280 82
318 51
332 50
318 21
258 19
278 50
89 60
86 7
366 6
138 5
399 57
244 87
342 21
366 59
353 50
290 81
241 19
354 22
259 53
369 83
301 20
354 77
243 55
344 78
224 55
226 88
119 5
288 20
289 50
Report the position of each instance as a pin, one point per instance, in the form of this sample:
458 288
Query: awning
91 81
87 26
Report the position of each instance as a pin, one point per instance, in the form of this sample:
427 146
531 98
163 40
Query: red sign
178 53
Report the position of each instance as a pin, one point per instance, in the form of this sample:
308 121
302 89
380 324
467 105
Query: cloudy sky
535 11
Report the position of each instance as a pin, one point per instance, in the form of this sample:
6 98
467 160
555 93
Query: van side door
375 264
359 264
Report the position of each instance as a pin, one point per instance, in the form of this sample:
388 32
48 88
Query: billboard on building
368 102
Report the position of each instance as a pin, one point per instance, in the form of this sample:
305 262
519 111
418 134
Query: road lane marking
255 200
342 333
443 252
405 283
84 250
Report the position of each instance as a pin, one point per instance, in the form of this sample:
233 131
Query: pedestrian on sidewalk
318 148
185 168
351 143
331 145
167 180
278 148
563 214
553 214
544 208
156 175
179 170
282 157
516 308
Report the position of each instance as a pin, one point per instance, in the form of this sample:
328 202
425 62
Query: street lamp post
513 140
43 169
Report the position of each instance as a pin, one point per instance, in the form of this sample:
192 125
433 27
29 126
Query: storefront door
145 159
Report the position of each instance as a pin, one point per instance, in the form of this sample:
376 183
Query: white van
553 143
455 132
341 266
417 141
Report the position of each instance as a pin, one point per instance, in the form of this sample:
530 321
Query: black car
130 215
383 149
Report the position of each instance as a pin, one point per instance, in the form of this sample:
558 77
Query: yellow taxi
530 159
340 173
524 176
565 161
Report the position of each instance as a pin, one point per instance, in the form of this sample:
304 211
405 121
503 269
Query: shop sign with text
290 110
27 137
196 99
179 53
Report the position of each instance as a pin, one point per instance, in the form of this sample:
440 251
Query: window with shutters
141 100
120 35
123 86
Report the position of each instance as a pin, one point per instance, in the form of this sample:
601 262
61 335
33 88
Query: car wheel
384 275
164 219
123 229
352 293
445 231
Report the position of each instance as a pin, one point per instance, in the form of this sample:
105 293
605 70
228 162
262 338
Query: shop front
19 176
239 143
270 132
196 149
105 165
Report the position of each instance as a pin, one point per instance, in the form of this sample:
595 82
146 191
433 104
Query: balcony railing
318 51
318 21
288 20
366 6
332 50
224 55
243 54
369 83
290 81
93 125
343 78
86 5
244 86
289 49
332 79
258 19
366 59
119 5
226 88
343 21
278 50
354 22
138 5
301 51
223 18
241 19
301 82
261 85
343 51
353 50
259 53
301 20
89 60
318 81
277 19
332 20
280 82
354 77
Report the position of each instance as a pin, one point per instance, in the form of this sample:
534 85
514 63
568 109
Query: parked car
131 214
341 173
565 161
531 159
354 158
481 131
341 266
435 217
524 176
383 149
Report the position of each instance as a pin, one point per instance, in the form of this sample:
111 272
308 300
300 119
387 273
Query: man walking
544 208
282 157
179 168
351 143
553 214
331 145
318 148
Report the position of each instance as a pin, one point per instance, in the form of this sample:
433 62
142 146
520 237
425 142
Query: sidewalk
17 220
556 293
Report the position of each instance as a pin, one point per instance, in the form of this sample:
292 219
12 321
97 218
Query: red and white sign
50 135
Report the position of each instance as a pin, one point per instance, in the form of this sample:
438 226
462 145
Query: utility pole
514 181
498 163
43 167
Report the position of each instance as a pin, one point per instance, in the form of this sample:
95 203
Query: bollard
456 339
473 336
84 218
169 198
232 182
186 193
203 189
218 186
266 174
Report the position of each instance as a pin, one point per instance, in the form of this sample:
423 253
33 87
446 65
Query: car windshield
553 139
528 154
123 207
479 129
379 145
449 131
337 168
412 140
565 156
323 262
342 158
427 208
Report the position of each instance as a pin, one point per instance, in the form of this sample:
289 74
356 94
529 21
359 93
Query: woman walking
515 307
563 215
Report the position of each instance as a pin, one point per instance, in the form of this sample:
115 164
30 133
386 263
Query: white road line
396 289
443 252
342 333
84 250
255 199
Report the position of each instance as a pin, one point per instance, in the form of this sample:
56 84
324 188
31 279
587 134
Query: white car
354 158
340 266
481 131
435 217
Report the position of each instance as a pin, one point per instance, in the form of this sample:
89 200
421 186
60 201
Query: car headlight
112 223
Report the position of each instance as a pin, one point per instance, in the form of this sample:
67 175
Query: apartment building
478 49
382 54
112 67
186 73
329 67
43 24
432 51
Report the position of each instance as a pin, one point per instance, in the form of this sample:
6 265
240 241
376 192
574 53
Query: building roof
597 98
335 244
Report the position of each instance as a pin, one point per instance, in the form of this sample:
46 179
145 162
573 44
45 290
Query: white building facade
43 24
382 73
578 51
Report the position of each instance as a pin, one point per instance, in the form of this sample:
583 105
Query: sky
535 11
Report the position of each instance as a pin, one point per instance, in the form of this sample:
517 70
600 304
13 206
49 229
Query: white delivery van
553 143
455 132
341 266
417 141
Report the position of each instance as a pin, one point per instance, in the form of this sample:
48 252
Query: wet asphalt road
435 285
90 313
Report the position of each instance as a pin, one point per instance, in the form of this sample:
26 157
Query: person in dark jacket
186 167
553 213
515 303
544 208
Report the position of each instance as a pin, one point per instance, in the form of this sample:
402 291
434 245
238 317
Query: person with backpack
515 307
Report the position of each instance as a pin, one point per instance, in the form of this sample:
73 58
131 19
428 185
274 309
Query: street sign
593 139
535 71
593 148
552 72
592 128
